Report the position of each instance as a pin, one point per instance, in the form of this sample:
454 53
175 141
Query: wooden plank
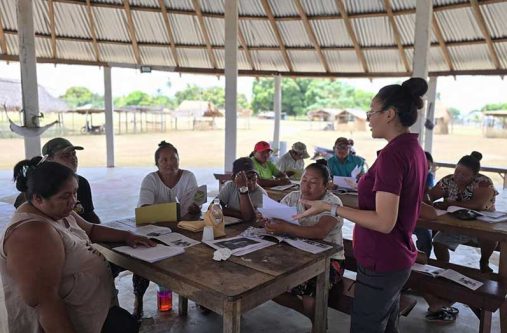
3 41
91 23
51 14
132 31
485 32
502 269
232 316
169 32
182 305
352 34
441 42
396 34
276 31
202 24
321 296
311 35
244 45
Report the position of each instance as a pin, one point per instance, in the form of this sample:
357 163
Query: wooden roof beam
202 24
91 23
244 45
276 31
52 27
352 34
396 34
132 31
311 35
169 32
3 40
485 32
441 42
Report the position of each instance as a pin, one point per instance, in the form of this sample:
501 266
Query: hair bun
321 161
416 87
476 155
163 143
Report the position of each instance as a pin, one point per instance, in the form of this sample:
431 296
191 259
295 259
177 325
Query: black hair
405 98
472 161
321 167
164 145
429 158
44 179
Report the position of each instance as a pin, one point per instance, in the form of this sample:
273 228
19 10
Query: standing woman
390 197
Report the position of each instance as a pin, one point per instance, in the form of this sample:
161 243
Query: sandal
451 309
442 317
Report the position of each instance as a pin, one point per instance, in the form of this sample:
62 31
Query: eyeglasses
371 113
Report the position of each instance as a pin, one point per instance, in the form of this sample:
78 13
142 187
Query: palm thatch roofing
10 96
328 38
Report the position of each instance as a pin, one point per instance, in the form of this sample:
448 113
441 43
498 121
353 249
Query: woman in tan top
53 280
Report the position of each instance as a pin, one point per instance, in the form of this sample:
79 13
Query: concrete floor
115 193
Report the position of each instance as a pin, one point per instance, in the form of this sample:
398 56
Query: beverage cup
207 233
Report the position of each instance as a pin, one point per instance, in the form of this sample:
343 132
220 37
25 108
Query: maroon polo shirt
401 169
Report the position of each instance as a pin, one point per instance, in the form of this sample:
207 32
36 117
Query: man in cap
242 196
60 150
269 175
343 162
292 162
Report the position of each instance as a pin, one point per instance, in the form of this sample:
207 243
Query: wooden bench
483 301
501 171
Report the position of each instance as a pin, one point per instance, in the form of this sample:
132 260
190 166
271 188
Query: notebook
150 254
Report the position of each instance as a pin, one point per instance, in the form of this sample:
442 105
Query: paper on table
355 172
273 209
282 187
176 239
150 254
151 230
345 182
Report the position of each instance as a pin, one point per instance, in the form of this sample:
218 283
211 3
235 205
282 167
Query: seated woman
52 278
241 196
323 226
269 175
466 188
168 184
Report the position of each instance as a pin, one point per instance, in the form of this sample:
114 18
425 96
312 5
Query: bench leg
182 305
485 322
503 317
321 298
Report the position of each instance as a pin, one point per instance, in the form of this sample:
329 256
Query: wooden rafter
485 32
352 34
202 24
52 27
244 45
169 32
276 31
91 23
311 35
132 31
441 42
257 48
396 34
3 40
284 18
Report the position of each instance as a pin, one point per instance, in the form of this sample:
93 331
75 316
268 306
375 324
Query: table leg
232 316
182 305
502 274
321 295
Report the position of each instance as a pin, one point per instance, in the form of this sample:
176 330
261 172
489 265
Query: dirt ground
201 148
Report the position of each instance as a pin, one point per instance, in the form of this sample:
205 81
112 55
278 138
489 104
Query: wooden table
237 285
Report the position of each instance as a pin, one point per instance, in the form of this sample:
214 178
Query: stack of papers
449 274
239 245
150 254
273 209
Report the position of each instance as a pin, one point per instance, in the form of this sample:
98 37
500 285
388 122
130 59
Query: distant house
350 120
442 119
10 96
197 109
324 114
494 124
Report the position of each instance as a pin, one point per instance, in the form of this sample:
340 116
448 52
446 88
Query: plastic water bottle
164 299
216 211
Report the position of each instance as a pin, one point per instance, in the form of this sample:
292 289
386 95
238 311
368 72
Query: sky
466 93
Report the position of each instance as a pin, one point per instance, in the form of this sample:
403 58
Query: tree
191 93
494 106
136 97
80 96
454 112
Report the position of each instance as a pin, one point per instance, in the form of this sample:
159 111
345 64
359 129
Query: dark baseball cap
57 144
243 164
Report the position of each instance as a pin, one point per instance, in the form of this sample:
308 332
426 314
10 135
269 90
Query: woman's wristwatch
243 190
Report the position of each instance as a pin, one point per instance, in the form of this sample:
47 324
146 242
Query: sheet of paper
307 245
273 209
150 254
440 212
201 195
239 245
176 239
461 279
282 187
152 230
345 182
427 269
355 172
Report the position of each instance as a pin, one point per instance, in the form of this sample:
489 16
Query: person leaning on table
241 196
52 278
390 197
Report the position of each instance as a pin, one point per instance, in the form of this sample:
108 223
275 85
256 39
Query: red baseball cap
262 146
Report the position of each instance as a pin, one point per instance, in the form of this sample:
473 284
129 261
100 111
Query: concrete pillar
424 13
28 65
231 82
108 104
277 105
430 113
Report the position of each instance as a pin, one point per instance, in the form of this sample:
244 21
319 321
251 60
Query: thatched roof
332 38
10 95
